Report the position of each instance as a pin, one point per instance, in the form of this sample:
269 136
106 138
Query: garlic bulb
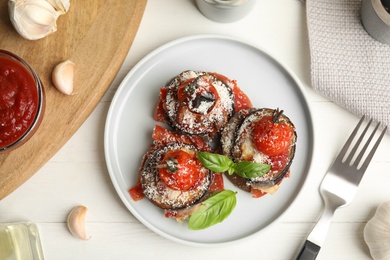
76 222
35 19
377 233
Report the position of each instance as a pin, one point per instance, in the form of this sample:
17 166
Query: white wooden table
77 174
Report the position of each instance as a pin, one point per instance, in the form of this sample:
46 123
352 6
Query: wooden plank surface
96 35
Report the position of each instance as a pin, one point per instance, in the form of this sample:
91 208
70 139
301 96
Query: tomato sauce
217 184
241 100
18 101
136 192
159 112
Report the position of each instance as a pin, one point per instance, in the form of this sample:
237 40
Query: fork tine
371 154
363 150
349 141
355 148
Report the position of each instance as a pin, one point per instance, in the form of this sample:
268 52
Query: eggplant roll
163 196
238 143
198 103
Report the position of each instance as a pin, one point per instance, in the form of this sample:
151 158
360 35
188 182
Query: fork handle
317 235
309 251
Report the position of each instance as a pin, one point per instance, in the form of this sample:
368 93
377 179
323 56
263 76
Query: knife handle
309 251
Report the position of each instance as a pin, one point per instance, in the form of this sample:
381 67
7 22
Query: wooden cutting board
96 35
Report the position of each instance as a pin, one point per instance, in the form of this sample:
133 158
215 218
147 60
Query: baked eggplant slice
172 177
198 103
260 135
229 132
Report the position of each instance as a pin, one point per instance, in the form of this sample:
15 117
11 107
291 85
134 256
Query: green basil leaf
231 170
215 162
249 170
213 210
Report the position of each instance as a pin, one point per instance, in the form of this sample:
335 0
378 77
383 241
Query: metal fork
340 184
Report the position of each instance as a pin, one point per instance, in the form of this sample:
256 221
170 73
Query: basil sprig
220 204
221 163
213 210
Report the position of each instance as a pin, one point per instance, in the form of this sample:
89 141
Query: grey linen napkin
348 66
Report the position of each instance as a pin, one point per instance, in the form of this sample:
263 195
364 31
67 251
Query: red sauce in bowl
21 101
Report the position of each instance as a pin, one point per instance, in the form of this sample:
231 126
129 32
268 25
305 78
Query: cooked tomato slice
179 170
272 138
191 94
182 95
278 162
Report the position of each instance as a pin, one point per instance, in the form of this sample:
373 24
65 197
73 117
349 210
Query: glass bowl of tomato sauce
22 101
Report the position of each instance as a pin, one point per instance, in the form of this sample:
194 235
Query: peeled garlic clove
377 233
76 222
62 77
35 19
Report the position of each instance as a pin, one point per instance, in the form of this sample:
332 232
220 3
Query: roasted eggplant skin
160 194
236 136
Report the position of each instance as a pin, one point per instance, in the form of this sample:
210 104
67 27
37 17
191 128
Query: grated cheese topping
204 112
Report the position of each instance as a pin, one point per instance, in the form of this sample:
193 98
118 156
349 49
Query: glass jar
20 241
225 11
22 101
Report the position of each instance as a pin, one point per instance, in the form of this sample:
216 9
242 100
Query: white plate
129 127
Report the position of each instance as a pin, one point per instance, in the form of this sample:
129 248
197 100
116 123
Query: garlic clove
35 19
61 6
76 222
62 77
377 233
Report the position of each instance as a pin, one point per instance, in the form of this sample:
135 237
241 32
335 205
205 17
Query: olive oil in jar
20 241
